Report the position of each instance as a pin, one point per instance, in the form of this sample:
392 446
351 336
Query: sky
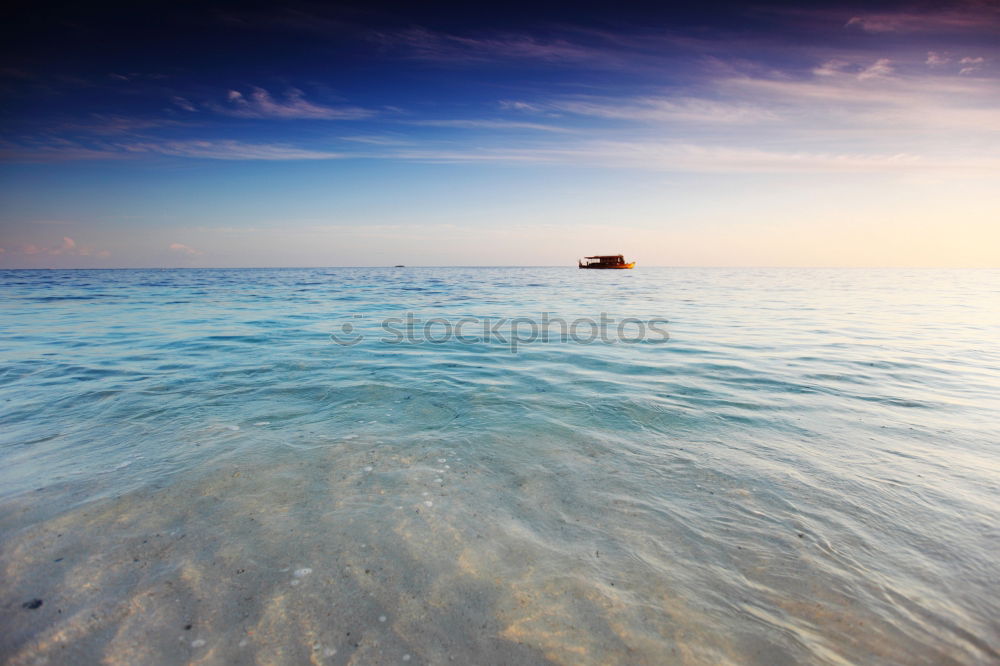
682 134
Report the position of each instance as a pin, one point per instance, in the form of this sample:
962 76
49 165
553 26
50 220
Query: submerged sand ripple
312 558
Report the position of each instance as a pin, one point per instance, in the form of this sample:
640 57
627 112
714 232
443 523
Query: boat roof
606 256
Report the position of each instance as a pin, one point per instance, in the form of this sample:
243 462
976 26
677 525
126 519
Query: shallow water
808 470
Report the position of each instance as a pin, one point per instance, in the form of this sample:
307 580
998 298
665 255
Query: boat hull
609 267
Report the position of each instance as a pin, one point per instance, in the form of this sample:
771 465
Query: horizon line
263 268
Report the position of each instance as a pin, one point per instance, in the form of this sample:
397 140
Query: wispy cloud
682 157
877 102
970 64
230 150
49 150
832 67
222 149
183 249
453 49
490 124
260 104
110 124
516 105
974 16
183 103
67 247
880 68
660 109
377 140
935 59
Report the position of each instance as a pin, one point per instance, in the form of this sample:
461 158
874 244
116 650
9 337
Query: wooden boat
605 261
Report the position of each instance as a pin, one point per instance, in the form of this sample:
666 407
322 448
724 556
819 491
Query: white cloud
260 104
831 67
514 105
880 68
971 64
935 59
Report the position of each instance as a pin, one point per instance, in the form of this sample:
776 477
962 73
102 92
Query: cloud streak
424 44
649 109
491 124
259 103
682 157
67 247
973 17
229 150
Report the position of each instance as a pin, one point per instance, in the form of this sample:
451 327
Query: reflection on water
806 472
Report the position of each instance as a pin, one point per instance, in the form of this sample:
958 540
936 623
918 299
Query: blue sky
310 135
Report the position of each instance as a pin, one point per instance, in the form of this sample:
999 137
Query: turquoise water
807 471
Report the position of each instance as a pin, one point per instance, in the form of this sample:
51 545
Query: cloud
693 158
831 67
514 105
183 103
229 150
610 52
830 106
879 69
105 124
49 150
966 19
490 124
59 150
68 247
377 140
971 64
935 59
661 109
260 104
183 249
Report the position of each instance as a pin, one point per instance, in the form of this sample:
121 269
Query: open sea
801 466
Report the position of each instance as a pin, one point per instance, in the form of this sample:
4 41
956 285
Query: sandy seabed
361 553
358 556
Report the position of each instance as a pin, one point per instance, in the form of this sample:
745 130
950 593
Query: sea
500 466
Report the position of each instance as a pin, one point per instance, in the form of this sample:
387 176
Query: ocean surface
806 471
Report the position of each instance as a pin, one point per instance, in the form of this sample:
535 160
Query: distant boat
606 261
399 266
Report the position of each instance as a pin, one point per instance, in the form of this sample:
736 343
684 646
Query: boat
606 261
